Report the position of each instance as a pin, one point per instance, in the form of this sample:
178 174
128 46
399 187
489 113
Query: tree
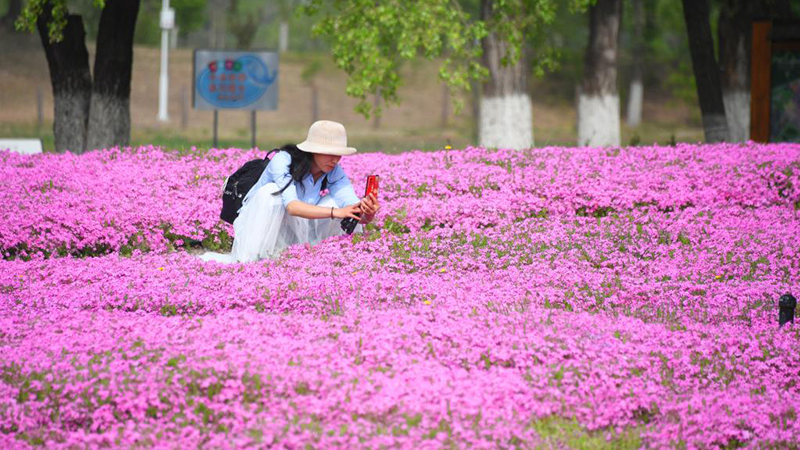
243 24
734 33
706 71
88 113
309 77
68 61
598 100
735 39
14 8
636 91
110 109
370 40
285 10
217 10
506 113
189 15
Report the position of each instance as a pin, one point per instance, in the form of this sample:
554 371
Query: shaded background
425 119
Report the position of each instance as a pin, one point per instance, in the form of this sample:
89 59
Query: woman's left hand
369 207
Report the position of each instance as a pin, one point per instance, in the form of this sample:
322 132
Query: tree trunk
506 114
110 112
68 62
445 106
283 36
14 9
242 26
735 41
218 11
636 94
735 45
706 71
598 101
376 113
314 103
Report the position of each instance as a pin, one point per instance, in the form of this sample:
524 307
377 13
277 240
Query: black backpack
238 185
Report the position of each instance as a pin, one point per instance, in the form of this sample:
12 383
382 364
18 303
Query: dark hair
300 165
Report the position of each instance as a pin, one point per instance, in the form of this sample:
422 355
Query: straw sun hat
328 138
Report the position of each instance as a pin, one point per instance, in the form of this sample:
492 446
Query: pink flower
628 294
323 192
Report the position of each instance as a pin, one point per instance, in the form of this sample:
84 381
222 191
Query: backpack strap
274 150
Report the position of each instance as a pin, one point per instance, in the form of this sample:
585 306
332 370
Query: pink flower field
552 298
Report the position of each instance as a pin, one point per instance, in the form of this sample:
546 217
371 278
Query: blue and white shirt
307 190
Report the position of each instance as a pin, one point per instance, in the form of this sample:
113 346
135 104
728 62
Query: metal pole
445 105
216 121
163 80
253 128
184 107
376 119
39 108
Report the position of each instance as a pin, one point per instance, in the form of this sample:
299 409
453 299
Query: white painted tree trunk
68 62
69 122
506 122
737 112
636 92
283 36
706 70
598 100
109 122
218 10
735 44
635 100
598 120
505 113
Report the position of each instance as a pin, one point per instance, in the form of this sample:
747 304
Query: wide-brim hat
327 138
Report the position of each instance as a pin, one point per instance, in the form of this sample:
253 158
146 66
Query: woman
298 199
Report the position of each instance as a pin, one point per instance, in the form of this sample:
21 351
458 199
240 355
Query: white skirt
264 229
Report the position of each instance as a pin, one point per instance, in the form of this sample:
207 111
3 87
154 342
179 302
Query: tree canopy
34 8
370 41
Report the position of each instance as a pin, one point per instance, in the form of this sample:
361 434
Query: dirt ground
415 123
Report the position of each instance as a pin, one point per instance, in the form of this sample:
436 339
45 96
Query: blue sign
235 80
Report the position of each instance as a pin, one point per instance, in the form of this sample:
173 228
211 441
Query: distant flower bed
120 200
557 297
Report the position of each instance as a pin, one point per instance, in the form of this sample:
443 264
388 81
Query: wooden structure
770 38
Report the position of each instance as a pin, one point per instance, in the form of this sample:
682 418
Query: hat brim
314 147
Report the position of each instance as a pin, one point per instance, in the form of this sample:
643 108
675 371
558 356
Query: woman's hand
369 207
348 211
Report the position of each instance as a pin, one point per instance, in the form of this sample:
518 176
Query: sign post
216 124
253 128
243 80
167 24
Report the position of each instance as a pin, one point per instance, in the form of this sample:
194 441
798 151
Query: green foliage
148 24
310 71
190 15
370 42
243 21
666 45
55 27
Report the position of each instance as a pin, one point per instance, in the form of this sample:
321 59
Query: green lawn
387 141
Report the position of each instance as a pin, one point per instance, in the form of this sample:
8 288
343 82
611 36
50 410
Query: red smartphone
372 186
349 224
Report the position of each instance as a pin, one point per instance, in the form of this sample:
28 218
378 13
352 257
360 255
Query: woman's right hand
348 211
